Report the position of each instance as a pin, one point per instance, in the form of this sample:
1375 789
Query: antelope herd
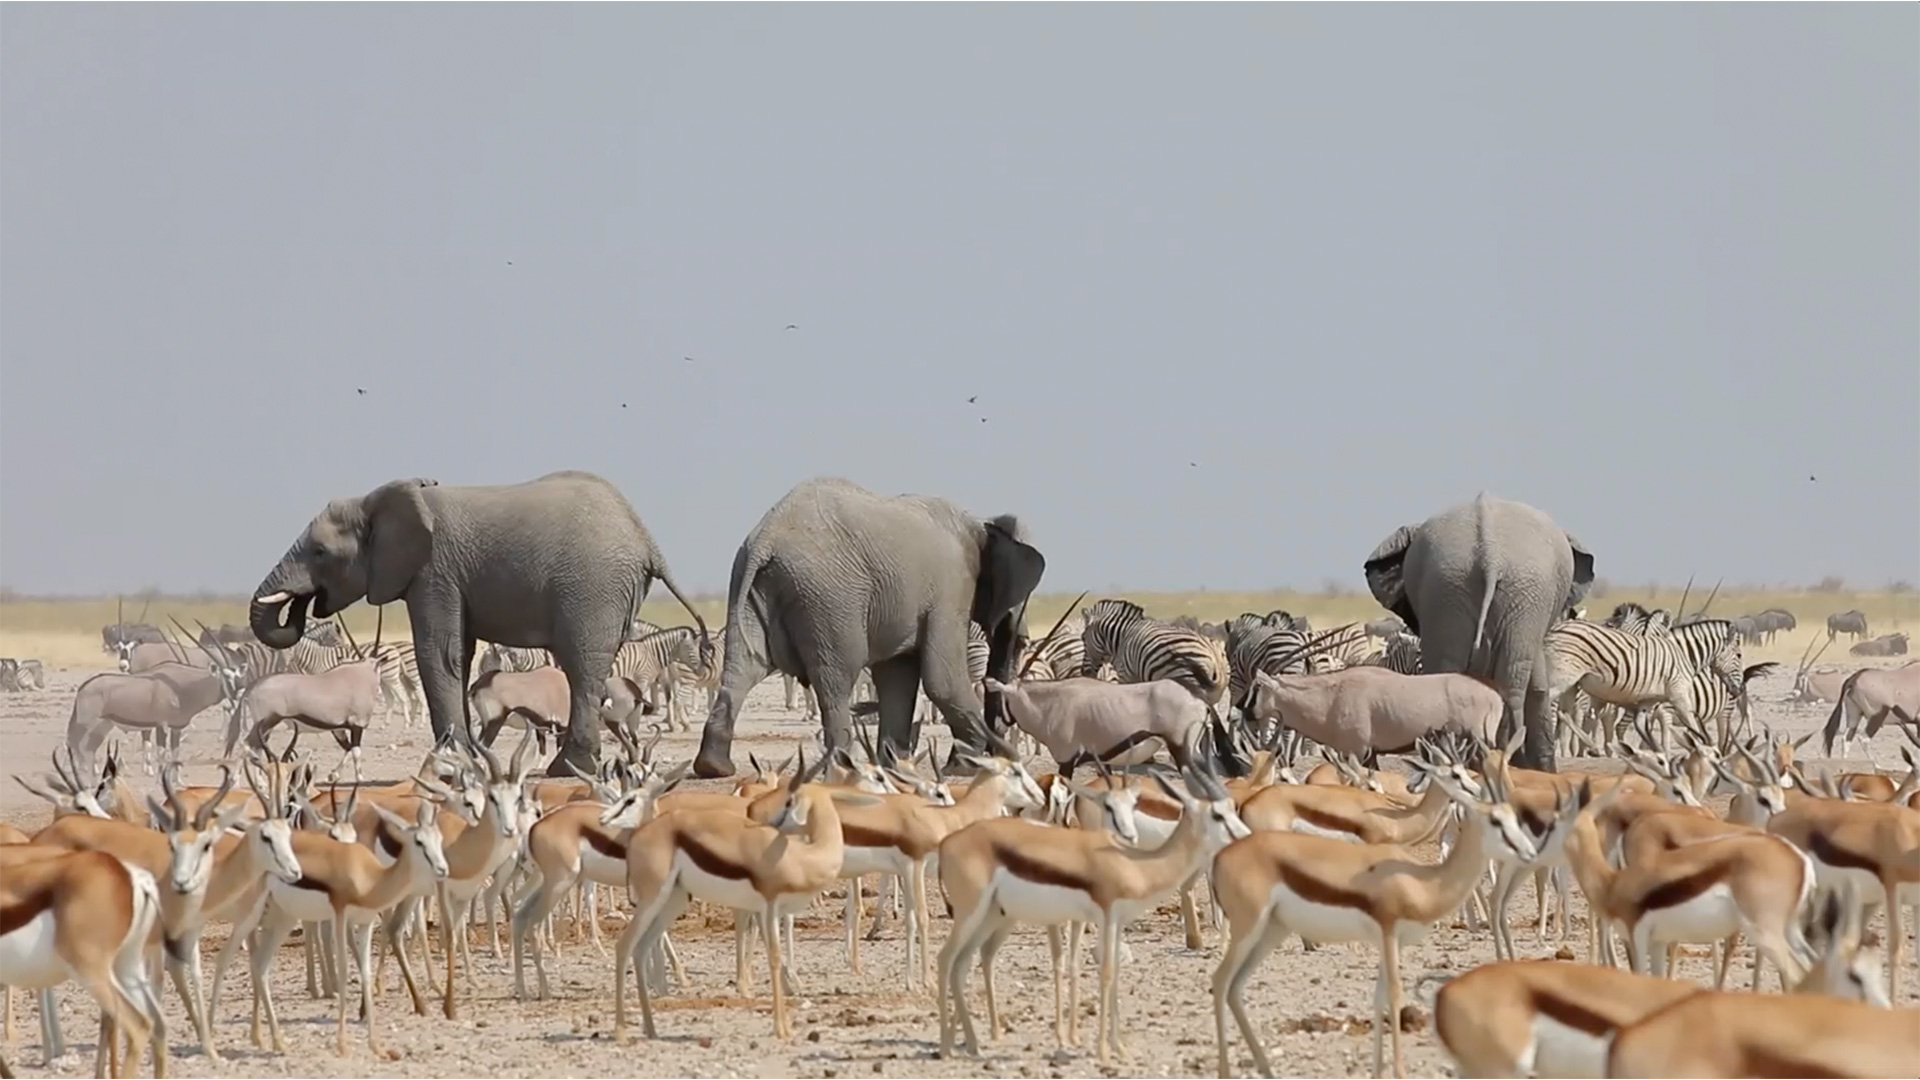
1276 819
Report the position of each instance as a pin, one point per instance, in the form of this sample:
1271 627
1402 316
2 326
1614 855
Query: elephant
560 562
1480 583
836 578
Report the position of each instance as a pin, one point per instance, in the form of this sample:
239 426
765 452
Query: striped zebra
1065 653
1142 649
307 657
1637 670
1635 619
1255 645
498 657
1347 646
668 659
1401 653
400 680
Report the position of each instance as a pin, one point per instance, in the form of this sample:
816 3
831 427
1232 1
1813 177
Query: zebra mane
1131 609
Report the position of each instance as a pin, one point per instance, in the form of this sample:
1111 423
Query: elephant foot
571 761
711 764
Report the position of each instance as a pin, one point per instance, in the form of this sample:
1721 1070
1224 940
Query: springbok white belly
27 956
1040 904
1710 916
1563 1050
872 860
600 869
1301 825
306 905
736 893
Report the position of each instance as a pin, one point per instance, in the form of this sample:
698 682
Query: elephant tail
1491 580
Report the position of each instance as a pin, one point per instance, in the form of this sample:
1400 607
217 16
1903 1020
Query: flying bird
1810 480
688 359
509 262
793 326
1193 464
973 399
361 390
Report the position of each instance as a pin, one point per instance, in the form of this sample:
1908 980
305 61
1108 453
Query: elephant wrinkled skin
1480 583
836 578
560 562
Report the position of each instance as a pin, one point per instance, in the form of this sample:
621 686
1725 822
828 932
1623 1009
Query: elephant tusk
280 597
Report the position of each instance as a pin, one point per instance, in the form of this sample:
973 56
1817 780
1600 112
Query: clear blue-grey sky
1238 289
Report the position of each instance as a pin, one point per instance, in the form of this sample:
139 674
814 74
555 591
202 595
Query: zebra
259 660
1253 645
1065 653
498 657
665 658
1402 653
1348 646
1143 649
1636 619
400 680
1622 668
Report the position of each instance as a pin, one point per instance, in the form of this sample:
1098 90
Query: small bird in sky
1811 480
983 419
1193 464
793 326
509 262
688 359
623 404
361 390
973 399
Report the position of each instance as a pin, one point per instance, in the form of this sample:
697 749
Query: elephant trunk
263 616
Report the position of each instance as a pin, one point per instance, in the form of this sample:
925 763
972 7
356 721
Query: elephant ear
1010 570
1385 578
1582 570
399 538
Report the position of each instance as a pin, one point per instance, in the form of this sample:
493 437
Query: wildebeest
1894 644
1773 620
1852 622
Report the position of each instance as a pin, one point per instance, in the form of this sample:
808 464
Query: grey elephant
836 578
1480 583
560 562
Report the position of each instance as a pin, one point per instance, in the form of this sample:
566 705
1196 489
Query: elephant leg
897 684
1527 701
745 664
586 656
444 658
943 668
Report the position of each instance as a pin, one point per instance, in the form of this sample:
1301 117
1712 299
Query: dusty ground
1312 1008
